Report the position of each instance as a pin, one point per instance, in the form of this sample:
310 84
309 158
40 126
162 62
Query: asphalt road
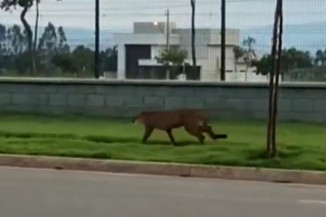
49 193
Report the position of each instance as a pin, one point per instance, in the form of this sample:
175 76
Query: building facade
139 49
137 52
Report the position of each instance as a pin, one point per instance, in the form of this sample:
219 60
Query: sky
253 17
118 15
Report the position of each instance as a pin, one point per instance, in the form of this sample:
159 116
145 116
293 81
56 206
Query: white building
137 50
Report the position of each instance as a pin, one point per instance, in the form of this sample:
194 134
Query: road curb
168 169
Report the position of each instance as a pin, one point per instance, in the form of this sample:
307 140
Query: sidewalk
169 169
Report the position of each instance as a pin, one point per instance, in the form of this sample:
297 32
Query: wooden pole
223 43
278 72
167 29
97 39
271 82
193 34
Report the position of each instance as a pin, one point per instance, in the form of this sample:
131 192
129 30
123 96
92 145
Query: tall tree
84 58
249 52
25 5
193 33
110 59
62 46
173 56
319 57
291 59
48 41
9 37
3 32
17 40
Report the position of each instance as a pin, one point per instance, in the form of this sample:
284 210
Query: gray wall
302 102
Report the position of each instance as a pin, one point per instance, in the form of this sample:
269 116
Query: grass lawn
301 146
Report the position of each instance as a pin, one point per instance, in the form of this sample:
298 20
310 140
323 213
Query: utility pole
97 38
193 35
223 12
167 29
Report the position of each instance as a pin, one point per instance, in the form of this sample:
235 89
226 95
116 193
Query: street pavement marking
319 202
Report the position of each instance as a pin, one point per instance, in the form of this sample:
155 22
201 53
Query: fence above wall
146 82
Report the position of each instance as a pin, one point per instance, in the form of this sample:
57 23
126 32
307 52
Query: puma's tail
220 136
209 131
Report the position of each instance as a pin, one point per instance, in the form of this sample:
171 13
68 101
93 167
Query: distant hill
87 37
309 37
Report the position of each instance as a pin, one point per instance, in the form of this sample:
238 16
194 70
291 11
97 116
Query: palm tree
320 57
238 53
249 43
250 53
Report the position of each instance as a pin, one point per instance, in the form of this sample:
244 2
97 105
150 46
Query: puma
192 121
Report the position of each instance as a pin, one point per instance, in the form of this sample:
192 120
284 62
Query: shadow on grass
97 139
35 135
110 139
133 140
179 143
107 139
90 138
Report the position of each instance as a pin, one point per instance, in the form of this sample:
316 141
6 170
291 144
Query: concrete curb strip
185 170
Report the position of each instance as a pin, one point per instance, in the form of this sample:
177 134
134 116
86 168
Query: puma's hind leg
195 131
147 134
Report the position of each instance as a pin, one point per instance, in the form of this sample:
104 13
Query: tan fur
192 121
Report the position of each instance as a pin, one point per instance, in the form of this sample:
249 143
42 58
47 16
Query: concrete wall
303 102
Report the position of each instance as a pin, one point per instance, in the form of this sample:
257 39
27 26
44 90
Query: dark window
133 54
